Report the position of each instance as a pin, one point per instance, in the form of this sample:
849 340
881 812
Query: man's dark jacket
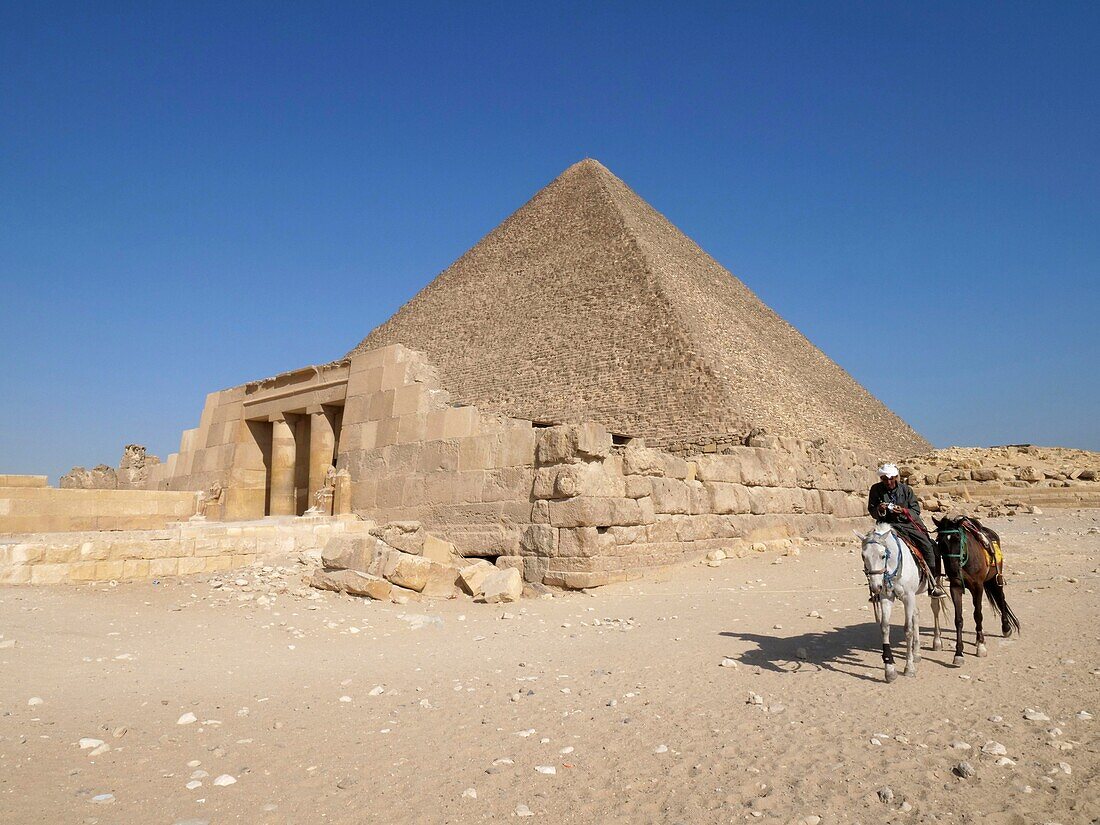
903 496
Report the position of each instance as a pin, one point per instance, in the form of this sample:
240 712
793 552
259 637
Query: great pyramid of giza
588 304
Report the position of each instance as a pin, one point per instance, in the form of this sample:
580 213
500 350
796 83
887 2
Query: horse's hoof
937 644
911 672
957 661
891 674
982 652
1006 632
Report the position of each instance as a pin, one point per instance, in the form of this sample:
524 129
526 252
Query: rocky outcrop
1004 480
132 473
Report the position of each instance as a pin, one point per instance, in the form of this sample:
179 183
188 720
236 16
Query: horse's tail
995 592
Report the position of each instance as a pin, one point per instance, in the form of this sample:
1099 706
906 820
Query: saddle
987 540
922 563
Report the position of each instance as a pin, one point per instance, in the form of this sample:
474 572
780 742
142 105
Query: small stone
194 783
225 779
1005 762
886 795
728 662
566 750
469 793
964 770
960 746
187 719
103 798
87 743
377 690
523 810
35 701
661 749
345 698
994 748
1065 768
1033 715
755 699
103 748
1084 715
549 770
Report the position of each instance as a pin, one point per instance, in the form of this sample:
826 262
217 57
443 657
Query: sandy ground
340 710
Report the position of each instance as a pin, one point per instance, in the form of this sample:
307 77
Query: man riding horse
894 502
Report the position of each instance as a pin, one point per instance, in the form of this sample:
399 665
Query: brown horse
967 564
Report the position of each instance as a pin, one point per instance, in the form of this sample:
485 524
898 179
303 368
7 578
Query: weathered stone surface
472 576
598 512
441 582
501 586
568 443
641 460
352 581
440 551
406 536
350 552
539 540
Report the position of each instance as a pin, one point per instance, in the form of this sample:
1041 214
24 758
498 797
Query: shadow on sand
852 650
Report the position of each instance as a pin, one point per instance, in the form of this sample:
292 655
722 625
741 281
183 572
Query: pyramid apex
587 165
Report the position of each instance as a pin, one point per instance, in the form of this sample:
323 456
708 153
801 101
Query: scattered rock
964 770
994 748
469 793
501 586
886 795
225 779
523 810
549 770
1033 715
728 662
187 719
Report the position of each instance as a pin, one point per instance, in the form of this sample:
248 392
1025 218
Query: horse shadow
852 650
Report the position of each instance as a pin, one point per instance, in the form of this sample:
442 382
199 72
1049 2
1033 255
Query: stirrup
1000 579
936 590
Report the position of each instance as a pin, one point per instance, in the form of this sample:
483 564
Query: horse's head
876 556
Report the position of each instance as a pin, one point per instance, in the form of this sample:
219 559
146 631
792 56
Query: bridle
888 578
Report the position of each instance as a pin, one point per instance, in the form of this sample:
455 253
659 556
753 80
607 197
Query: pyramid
588 304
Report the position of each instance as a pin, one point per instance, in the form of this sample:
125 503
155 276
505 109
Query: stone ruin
132 473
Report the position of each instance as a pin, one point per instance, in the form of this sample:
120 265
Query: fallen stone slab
353 582
501 586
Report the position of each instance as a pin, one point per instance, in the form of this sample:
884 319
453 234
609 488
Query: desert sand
751 691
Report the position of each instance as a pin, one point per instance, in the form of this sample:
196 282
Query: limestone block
624 535
459 422
412 428
472 576
596 512
352 581
676 467
587 479
186 567
81 571
641 460
351 552
721 468
646 510
637 486
439 456
440 551
518 445
441 582
728 498
411 399
585 541
135 569
406 536
539 540
364 382
540 512
501 586
569 443
475 453
670 495
411 572
699 501
507 484
163 567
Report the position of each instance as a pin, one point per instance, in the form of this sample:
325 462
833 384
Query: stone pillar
283 454
322 443
341 499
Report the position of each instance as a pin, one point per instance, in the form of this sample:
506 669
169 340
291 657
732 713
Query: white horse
892 573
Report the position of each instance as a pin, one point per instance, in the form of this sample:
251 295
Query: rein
963 556
888 578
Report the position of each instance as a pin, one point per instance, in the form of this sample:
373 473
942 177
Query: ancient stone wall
183 549
49 510
564 503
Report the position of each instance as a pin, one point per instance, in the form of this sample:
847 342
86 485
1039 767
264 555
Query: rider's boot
937 591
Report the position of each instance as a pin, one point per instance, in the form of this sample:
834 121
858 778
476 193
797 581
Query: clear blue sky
194 195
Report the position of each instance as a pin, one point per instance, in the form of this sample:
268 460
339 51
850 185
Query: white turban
888 470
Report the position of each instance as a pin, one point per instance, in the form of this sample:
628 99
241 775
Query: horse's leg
976 594
885 606
912 634
957 600
937 642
